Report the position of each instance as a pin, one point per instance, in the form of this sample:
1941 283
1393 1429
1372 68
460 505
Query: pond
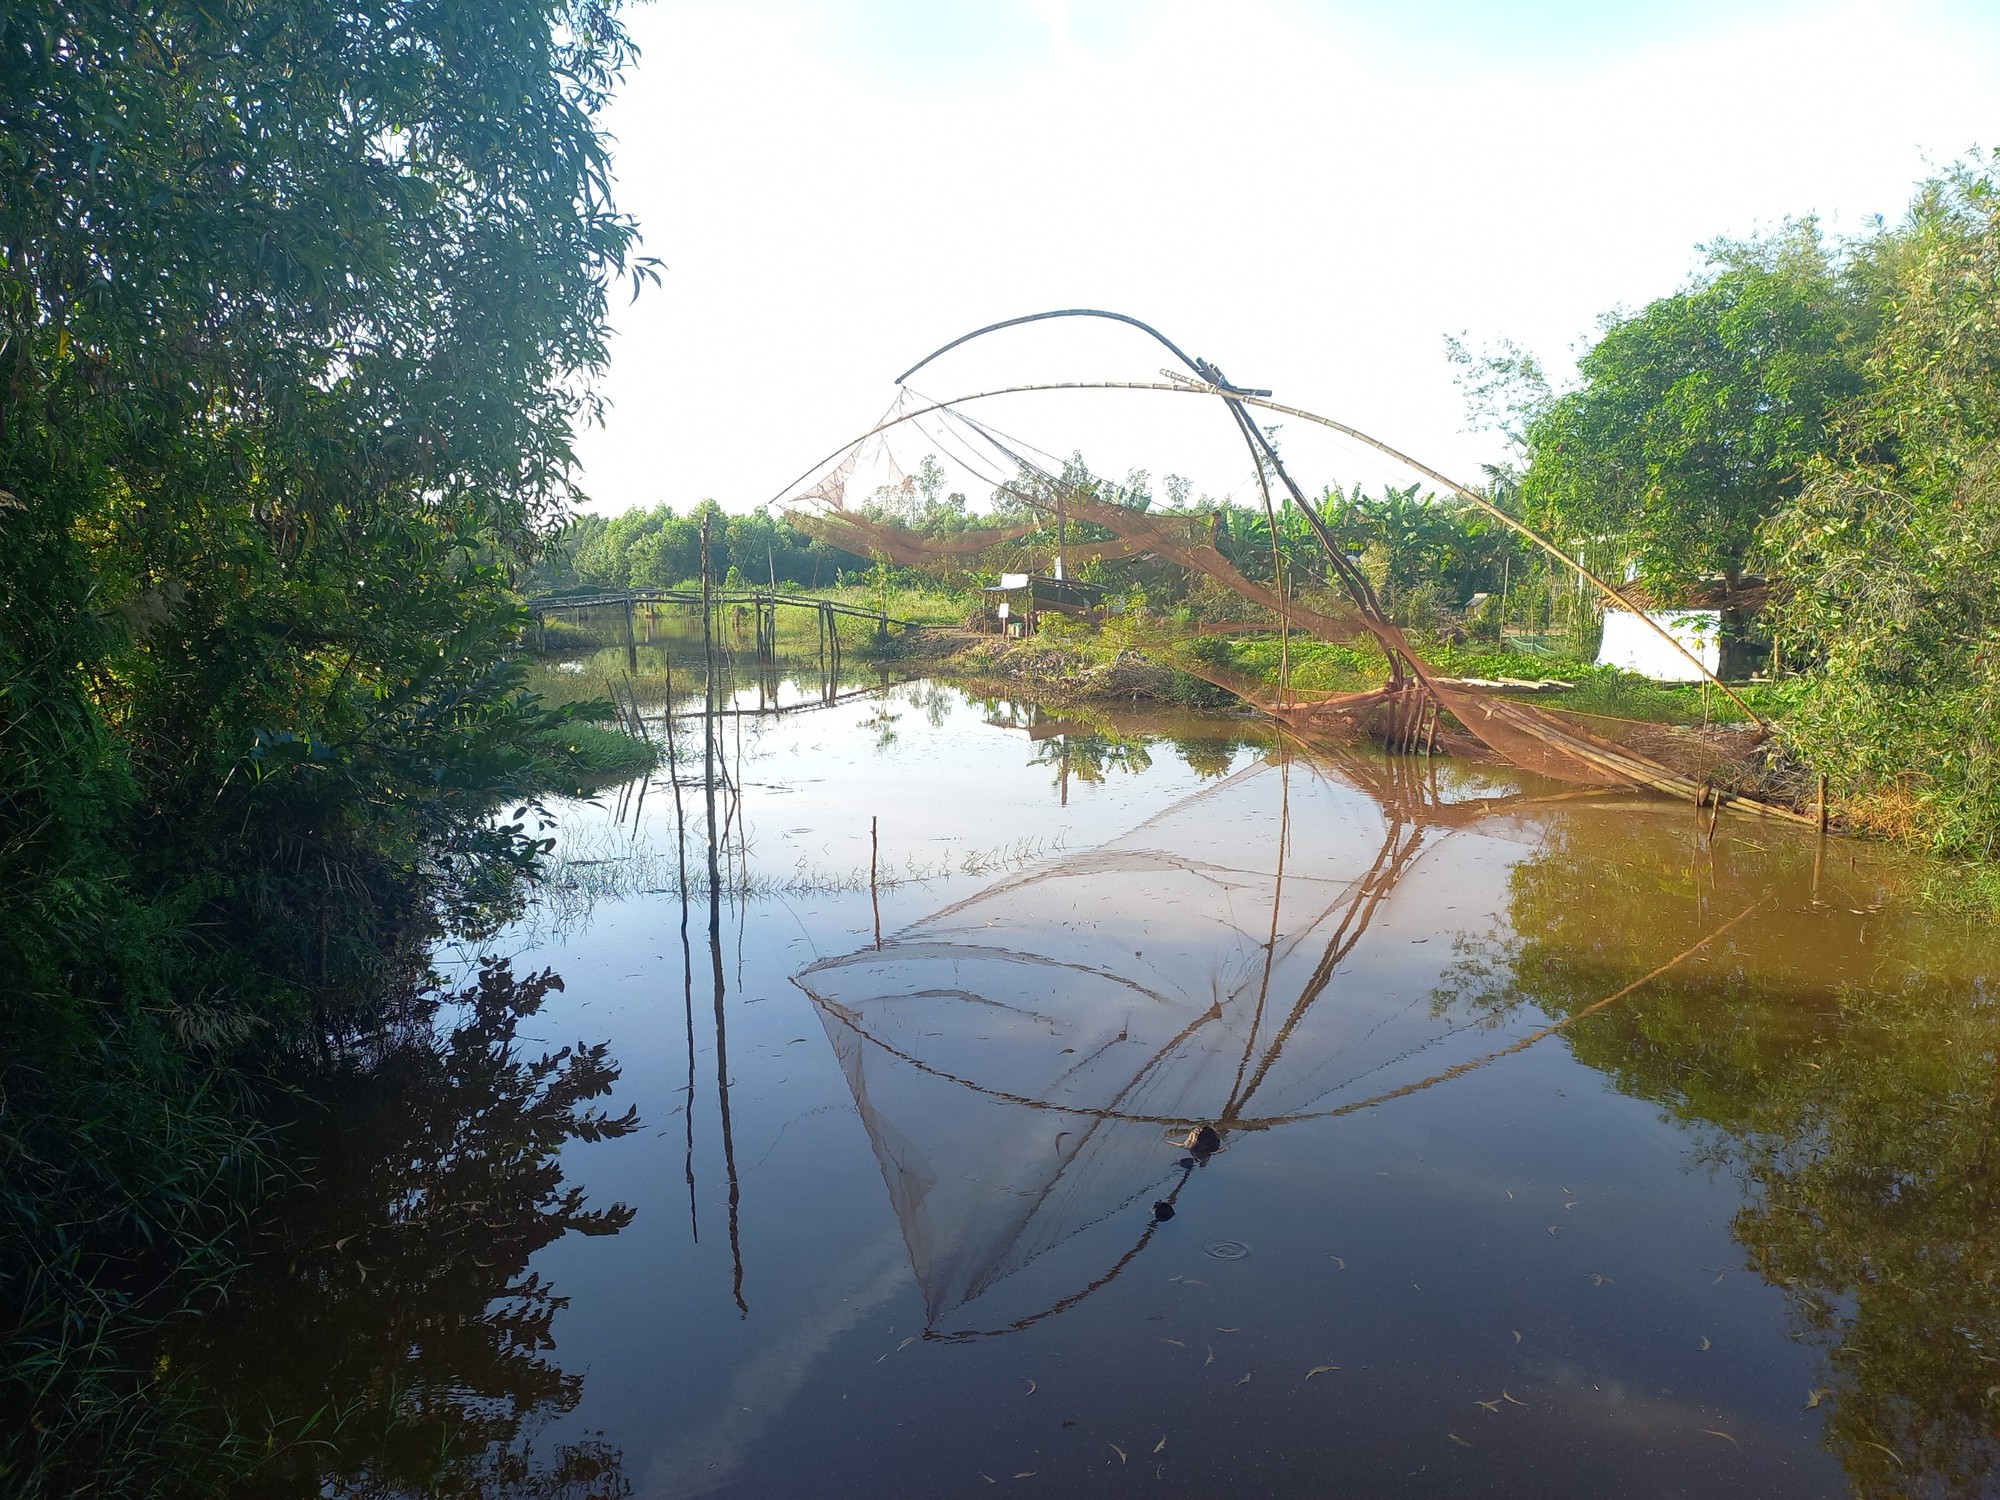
1178 1112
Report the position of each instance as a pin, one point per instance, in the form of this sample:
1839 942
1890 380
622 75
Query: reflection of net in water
1025 1060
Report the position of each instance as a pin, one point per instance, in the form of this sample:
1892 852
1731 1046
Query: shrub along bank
298 309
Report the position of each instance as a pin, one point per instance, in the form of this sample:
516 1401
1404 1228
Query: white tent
1630 645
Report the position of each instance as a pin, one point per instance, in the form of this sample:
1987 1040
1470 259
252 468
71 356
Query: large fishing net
1033 1065
1407 713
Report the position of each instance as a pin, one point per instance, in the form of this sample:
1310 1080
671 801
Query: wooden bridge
765 603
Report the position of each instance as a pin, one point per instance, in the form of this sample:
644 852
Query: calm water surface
911 1211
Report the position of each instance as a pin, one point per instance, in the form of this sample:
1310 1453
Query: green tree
300 305
1418 541
1893 546
1696 417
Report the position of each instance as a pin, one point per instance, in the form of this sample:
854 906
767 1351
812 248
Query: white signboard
1013 580
1630 645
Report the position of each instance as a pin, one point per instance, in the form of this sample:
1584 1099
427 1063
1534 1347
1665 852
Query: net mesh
1028 1062
1405 713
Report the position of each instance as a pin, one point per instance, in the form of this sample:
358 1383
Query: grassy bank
584 757
1076 661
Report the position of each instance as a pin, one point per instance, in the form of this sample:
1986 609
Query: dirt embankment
1057 672
1734 758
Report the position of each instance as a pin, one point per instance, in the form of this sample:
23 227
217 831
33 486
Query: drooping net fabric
1549 744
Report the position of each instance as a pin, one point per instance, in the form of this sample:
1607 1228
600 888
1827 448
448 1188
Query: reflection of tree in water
1091 757
883 724
389 1337
1207 758
934 701
1849 1064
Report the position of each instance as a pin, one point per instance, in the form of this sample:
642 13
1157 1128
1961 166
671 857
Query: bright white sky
1311 193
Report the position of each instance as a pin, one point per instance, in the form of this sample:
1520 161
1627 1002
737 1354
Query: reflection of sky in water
1534 1225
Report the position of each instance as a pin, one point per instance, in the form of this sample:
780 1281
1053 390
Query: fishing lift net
1030 1063
1408 713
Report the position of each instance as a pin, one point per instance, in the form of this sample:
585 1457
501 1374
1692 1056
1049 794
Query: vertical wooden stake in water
631 641
873 899
1822 804
708 721
674 760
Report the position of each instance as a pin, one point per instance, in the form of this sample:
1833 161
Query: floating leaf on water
987 1477
1321 1370
1175 1342
1517 1334
1704 1341
341 1244
1509 1192
1885 1448
1489 1405
1552 1229
1813 1397
1338 1261
1160 1444
1246 1377
1117 1450
1229 1330
906 1343
1718 1432
1030 1390
1458 1440
1505 1397
1025 1474
1190 1281
1211 1354
1598 1278
1569 1205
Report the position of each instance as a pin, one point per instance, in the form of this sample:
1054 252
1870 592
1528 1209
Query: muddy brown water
1469 1229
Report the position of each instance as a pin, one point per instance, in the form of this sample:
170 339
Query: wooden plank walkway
755 598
